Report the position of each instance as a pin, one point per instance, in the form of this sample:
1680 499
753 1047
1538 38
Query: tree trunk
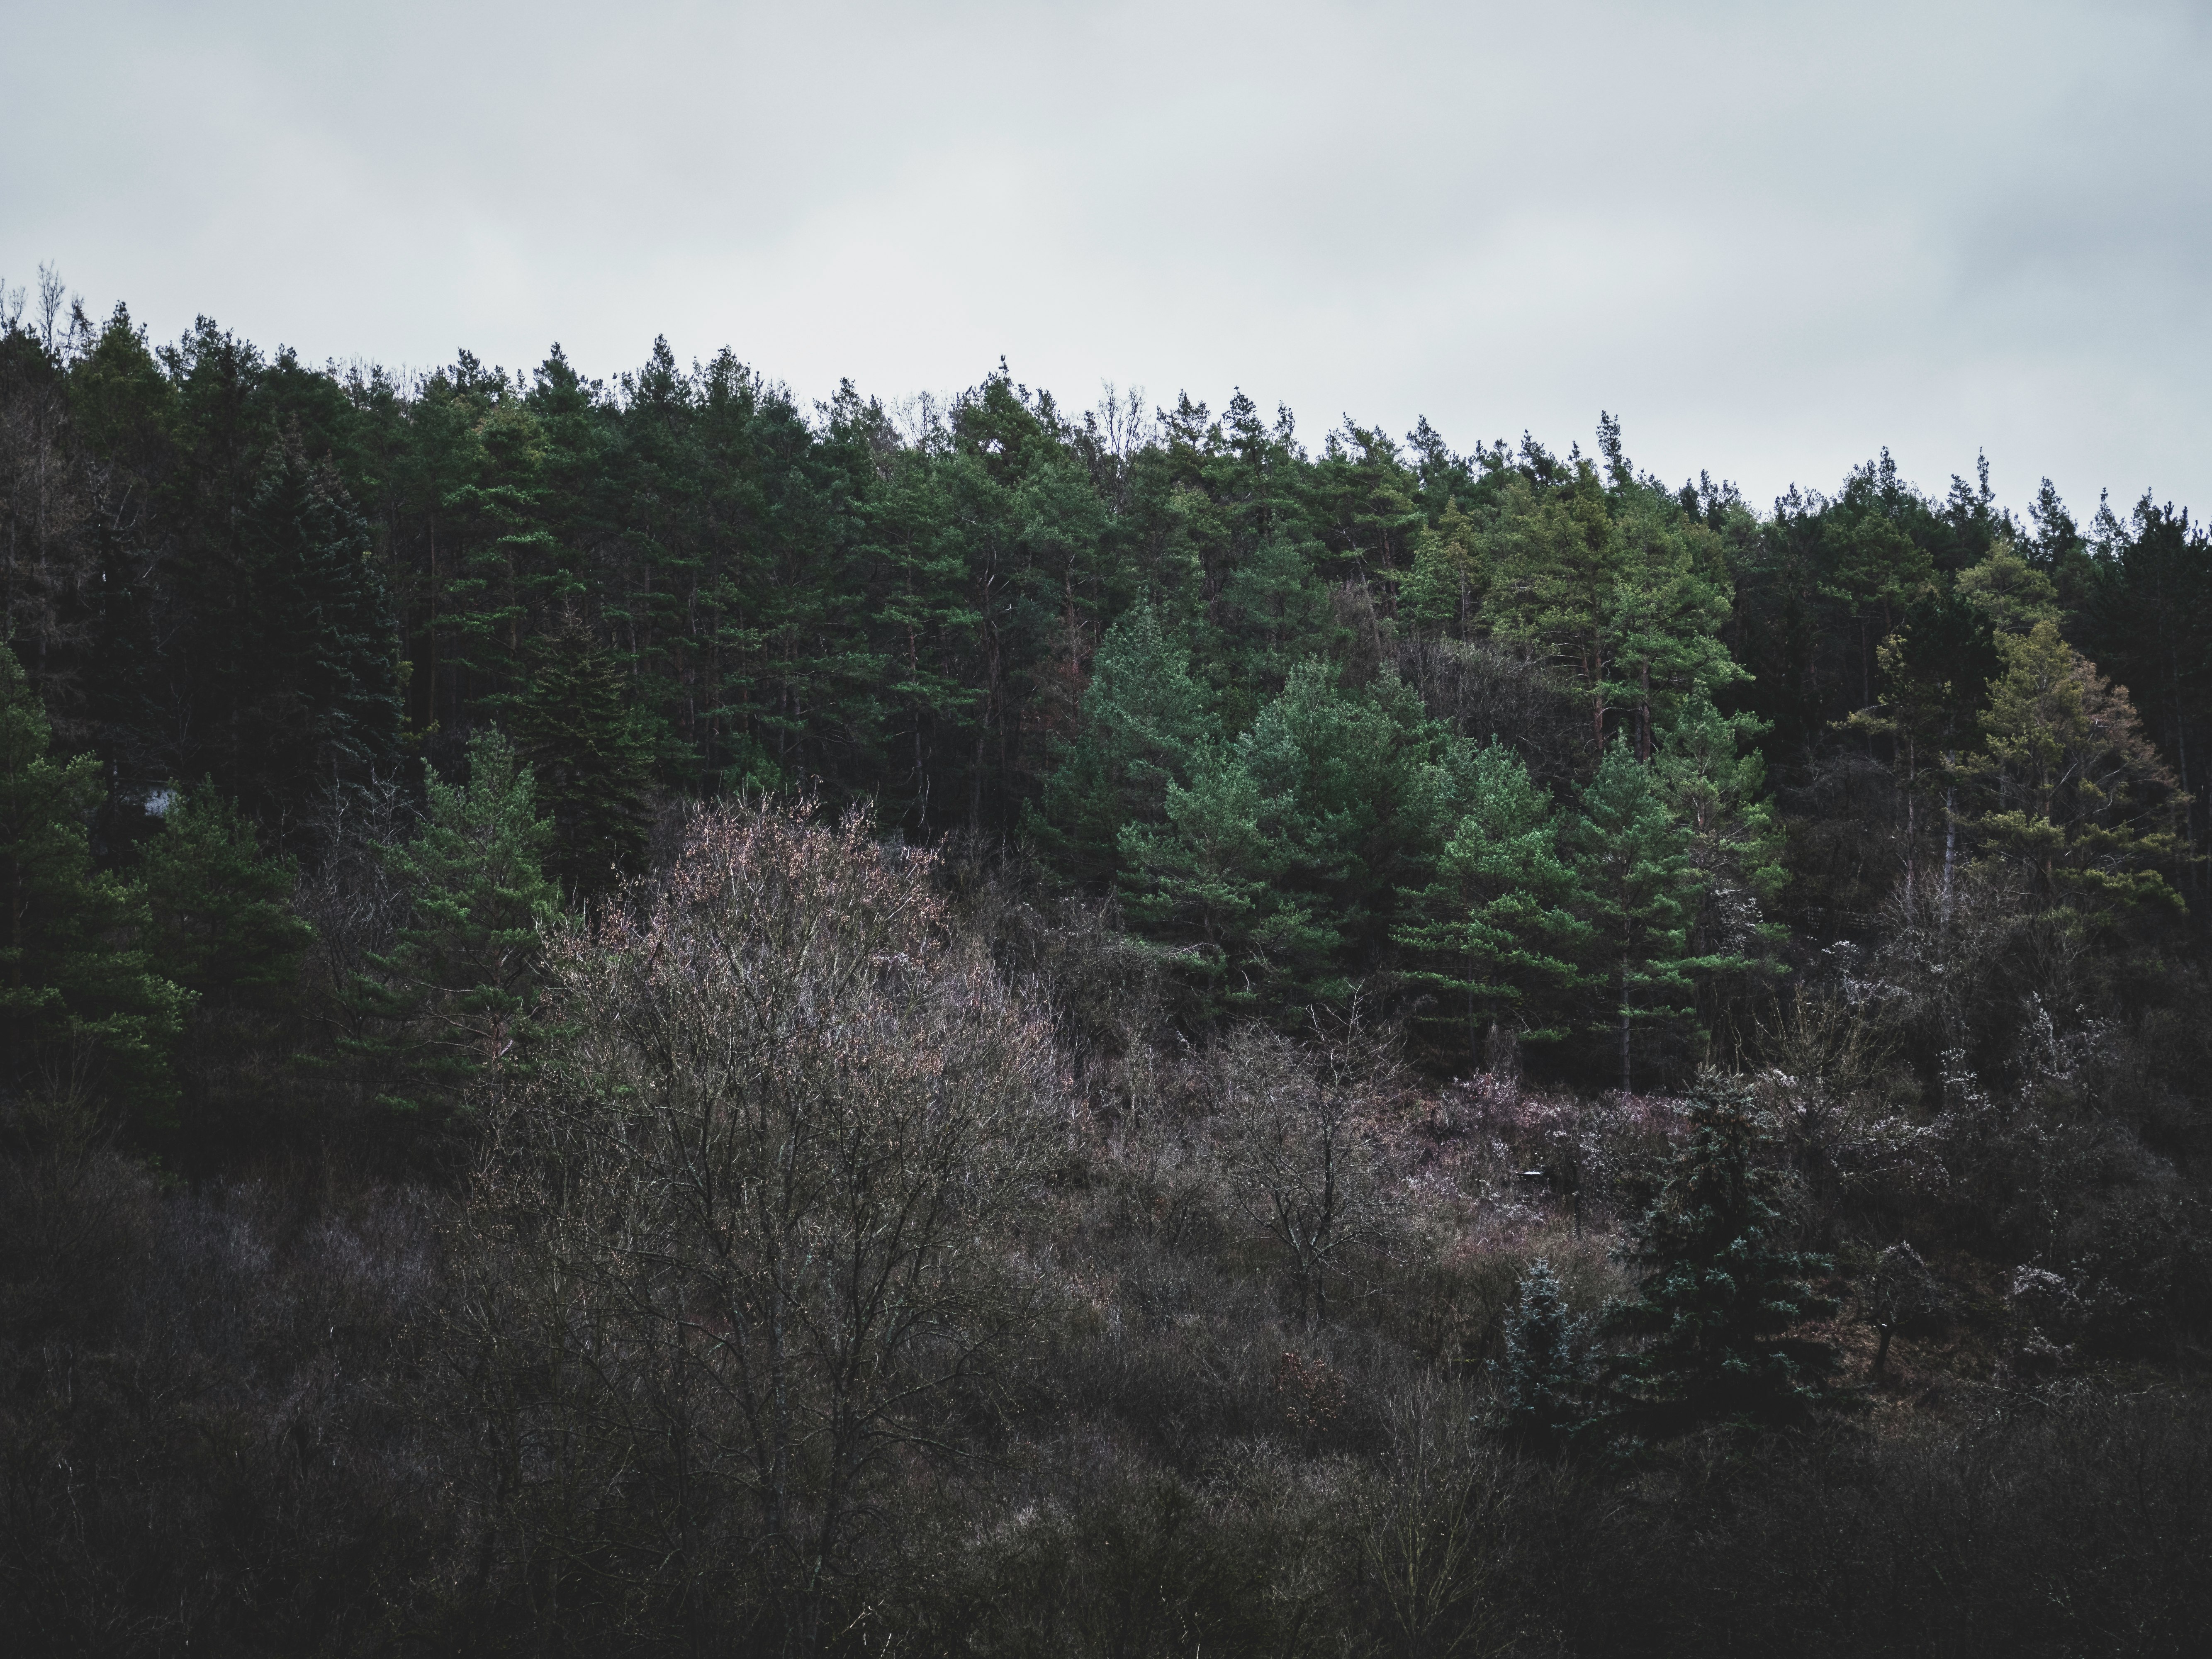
1623 1029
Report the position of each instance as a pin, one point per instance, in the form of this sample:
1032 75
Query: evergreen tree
1286 853
1632 856
1935 671
1545 1375
454 995
1144 721
223 927
82 1012
1495 934
1442 590
1272 613
1556 564
2075 792
591 754
1721 1295
312 693
1201 879
1716 788
221 911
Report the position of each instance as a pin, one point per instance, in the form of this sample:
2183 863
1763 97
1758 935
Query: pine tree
1545 1375
1201 879
1273 614
1496 935
454 995
592 756
1721 1294
1632 856
223 927
1446 582
2075 792
314 694
1287 851
1144 721
82 1015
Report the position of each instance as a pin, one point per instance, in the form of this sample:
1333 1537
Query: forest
642 1019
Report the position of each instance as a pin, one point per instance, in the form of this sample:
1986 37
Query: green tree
1556 566
455 994
312 691
1632 856
2074 790
1447 580
84 1014
1495 936
221 927
1286 854
1144 721
1721 1296
2008 590
591 754
1716 786
1935 672
1545 1373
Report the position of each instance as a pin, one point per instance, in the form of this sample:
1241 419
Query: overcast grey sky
1771 237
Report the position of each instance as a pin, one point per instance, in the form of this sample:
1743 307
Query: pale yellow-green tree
2071 789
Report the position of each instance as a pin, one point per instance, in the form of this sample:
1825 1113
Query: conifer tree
82 1012
223 927
1446 582
2075 792
1290 847
1545 1373
222 922
1632 856
592 756
1495 935
1144 721
455 994
1272 613
1722 1294
314 690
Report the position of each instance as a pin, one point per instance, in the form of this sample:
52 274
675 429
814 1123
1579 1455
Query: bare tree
1299 1145
750 1207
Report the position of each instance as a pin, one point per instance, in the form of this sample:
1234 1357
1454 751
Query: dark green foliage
1499 930
221 927
1282 859
317 698
1722 1294
1545 1375
453 997
85 1016
1144 723
591 755
221 911
1632 856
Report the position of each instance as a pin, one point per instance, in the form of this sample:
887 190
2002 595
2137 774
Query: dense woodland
638 1018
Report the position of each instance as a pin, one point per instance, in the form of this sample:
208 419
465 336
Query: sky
1771 237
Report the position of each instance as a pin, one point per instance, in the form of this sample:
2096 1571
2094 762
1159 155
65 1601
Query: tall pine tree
1495 936
454 995
223 927
82 1015
591 754
1633 858
1722 1295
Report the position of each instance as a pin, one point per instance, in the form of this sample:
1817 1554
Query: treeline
1529 747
